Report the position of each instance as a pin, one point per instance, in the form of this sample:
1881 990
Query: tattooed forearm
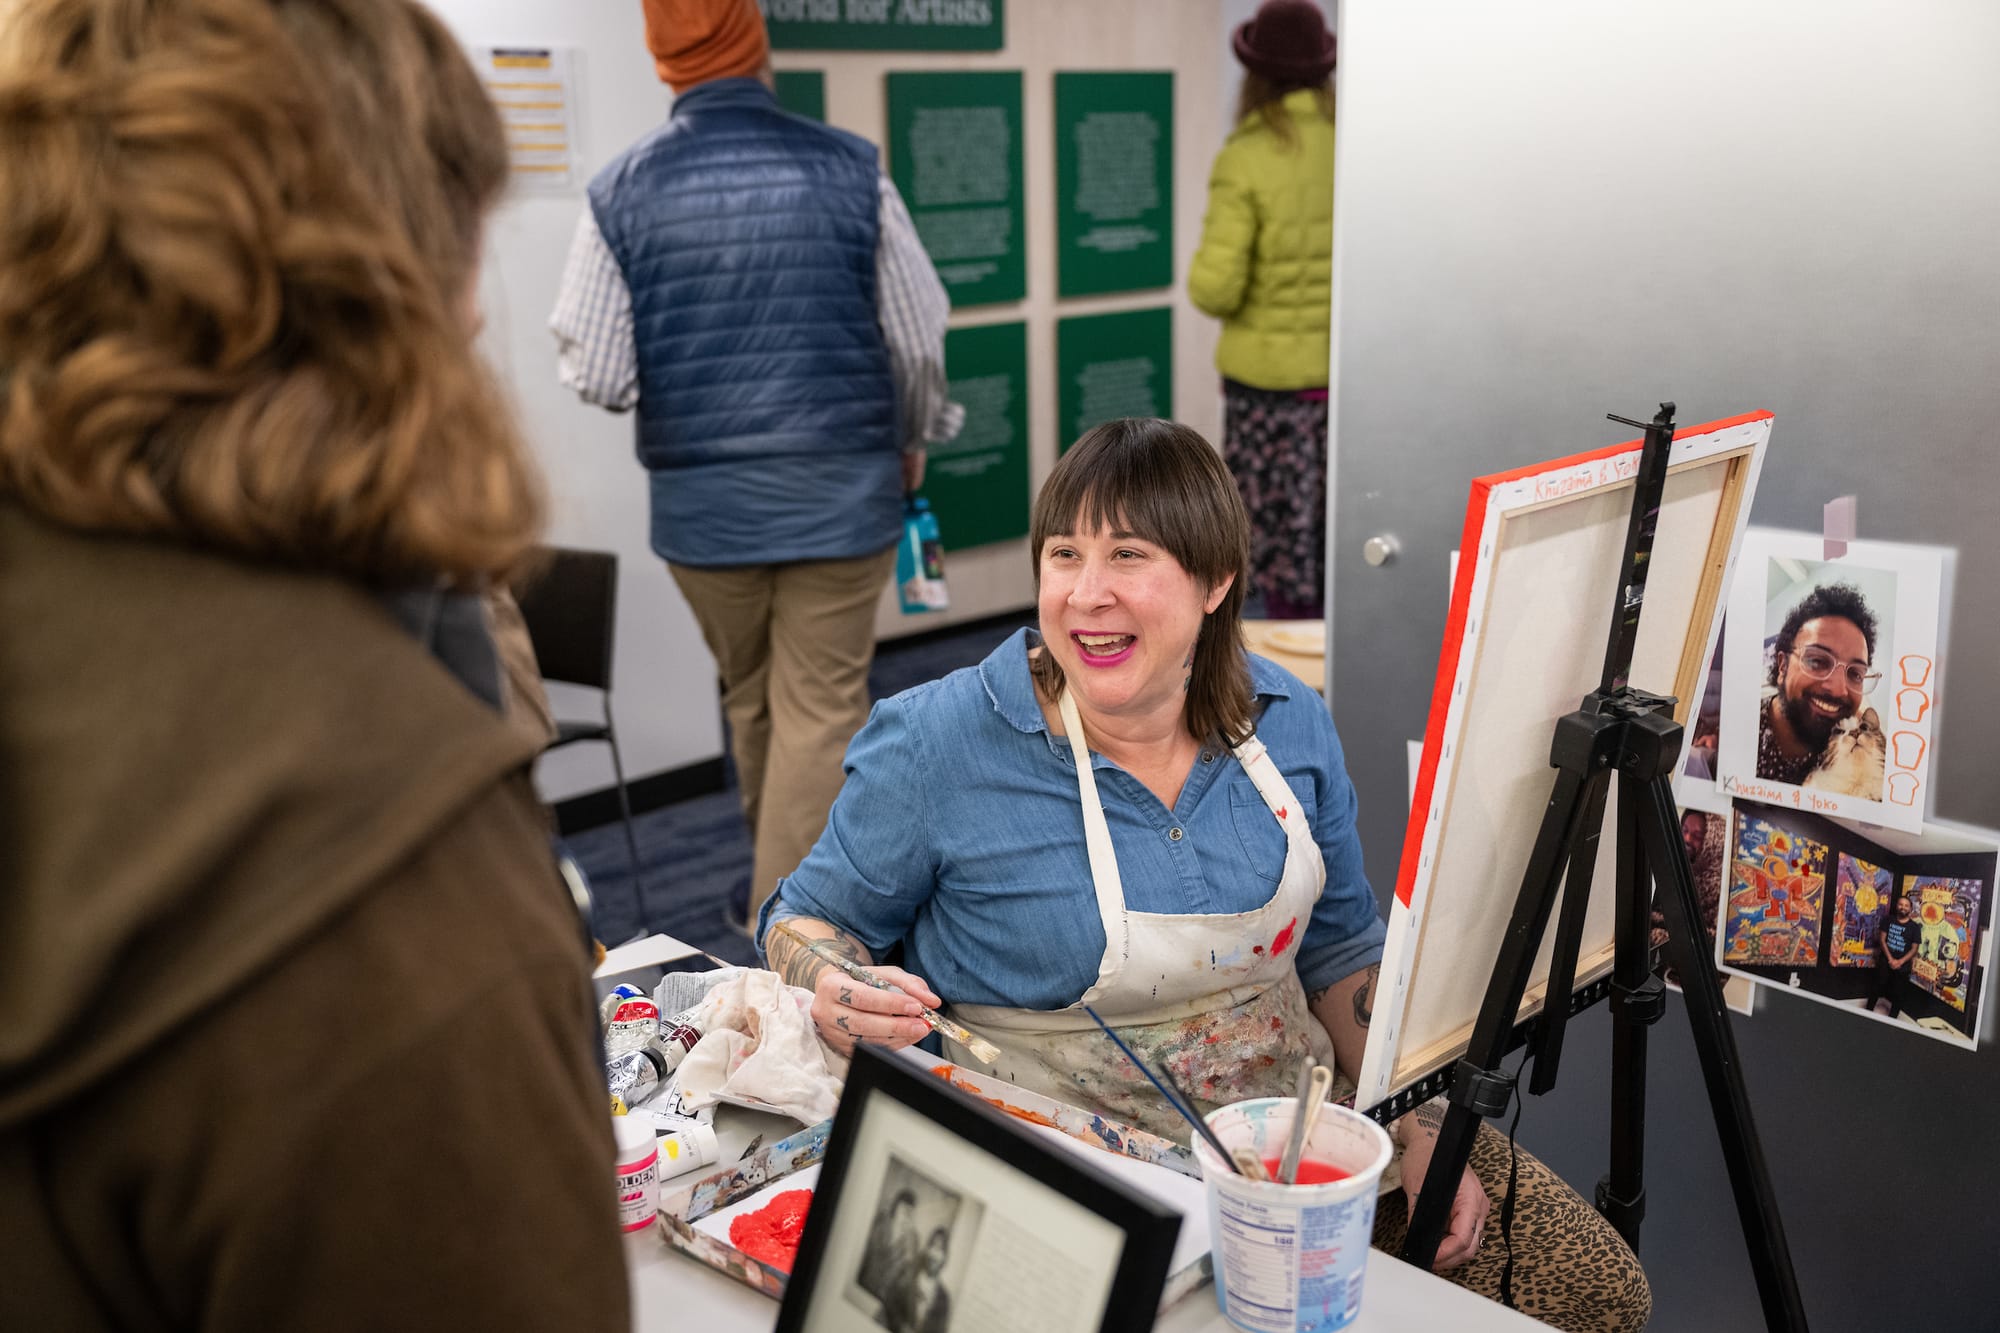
800 965
1364 996
1430 1116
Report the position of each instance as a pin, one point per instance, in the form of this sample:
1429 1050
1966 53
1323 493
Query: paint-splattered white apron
1215 998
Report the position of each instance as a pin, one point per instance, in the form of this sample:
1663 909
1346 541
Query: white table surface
672 1293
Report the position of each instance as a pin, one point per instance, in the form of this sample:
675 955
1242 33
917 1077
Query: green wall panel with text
955 155
1114 182
978 483
1118 365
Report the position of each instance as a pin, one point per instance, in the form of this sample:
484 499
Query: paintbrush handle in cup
1318 1081
1247 1164
1295 1142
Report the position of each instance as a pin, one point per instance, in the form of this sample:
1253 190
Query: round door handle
1380 550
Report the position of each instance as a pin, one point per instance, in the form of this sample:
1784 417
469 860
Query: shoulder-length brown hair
1261 97
1163 483
234 240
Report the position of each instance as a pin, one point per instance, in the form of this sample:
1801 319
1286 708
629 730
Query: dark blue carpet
692 853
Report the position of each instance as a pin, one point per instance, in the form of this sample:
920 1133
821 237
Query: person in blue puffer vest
750 284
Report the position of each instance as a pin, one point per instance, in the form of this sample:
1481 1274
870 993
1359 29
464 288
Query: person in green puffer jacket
1265 269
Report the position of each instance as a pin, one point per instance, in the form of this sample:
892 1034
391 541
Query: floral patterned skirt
1274 442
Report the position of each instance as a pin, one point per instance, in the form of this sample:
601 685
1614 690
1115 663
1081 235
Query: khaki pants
792 643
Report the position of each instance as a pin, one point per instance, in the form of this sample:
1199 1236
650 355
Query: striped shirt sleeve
592 323
912 308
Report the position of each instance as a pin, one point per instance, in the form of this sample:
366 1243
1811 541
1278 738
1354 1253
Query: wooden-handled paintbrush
981 1048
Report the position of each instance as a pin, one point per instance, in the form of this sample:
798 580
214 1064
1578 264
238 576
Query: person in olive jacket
296 1028
1265 270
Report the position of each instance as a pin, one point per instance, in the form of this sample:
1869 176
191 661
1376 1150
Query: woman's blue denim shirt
959 832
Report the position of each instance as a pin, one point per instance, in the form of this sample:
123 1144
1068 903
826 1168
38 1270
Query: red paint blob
1310 1173
1277 1024
1257 949
772 1232
1284 936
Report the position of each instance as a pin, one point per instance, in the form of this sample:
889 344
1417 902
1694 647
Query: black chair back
571 611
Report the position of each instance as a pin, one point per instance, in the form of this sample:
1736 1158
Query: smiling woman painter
1129 811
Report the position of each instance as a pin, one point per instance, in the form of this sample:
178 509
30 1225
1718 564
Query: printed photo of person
918 1245
1704 724
921 1303
1815 727
1705 840
1830 678
1858 917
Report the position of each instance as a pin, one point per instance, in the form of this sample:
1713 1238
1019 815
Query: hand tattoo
841 1023
847 996
1364 996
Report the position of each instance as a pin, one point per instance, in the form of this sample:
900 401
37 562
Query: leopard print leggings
1571 1269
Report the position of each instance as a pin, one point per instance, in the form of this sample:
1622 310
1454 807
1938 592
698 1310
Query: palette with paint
737 1220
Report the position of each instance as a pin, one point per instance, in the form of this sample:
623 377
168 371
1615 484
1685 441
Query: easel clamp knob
1623 1214
1644 1002
1486 1092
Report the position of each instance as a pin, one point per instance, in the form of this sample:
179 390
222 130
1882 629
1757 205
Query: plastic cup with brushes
1291 1199
1291 1240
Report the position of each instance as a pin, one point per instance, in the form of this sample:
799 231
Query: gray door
1549 211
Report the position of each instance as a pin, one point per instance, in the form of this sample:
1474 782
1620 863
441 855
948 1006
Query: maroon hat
1287 43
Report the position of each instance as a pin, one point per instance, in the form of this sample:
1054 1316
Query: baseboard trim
593 809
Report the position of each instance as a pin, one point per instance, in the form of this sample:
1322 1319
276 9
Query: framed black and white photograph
919 1246
936 1213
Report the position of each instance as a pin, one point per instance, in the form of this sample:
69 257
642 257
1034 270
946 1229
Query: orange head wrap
693 41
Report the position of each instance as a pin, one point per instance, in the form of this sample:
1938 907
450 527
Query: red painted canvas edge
1454 625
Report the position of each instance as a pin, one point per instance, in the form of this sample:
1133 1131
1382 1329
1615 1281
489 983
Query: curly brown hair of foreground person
230 273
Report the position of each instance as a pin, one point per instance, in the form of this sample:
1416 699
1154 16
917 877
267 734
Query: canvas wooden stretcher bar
1539 568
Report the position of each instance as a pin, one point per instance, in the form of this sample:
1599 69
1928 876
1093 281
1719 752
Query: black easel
1628 731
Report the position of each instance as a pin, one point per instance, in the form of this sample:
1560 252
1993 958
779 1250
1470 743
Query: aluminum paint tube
633 1076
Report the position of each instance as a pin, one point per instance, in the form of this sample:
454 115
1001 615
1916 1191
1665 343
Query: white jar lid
634 1137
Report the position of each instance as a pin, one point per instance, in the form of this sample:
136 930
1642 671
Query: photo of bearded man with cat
1812 729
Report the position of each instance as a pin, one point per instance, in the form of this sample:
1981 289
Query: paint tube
688 1148
630 1020
675 1037
634 1076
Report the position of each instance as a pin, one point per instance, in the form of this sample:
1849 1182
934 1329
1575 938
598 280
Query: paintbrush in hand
981 1048
1168 1089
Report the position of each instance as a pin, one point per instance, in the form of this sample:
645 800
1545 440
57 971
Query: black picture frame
844 1199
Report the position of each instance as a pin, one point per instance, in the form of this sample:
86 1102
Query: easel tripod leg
1636 1004
1721 1067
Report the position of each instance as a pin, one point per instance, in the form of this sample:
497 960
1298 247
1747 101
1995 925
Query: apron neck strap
1096 832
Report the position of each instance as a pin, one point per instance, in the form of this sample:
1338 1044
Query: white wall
665 679
666 701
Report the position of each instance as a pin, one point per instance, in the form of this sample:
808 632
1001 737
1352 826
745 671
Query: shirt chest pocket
1258 830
